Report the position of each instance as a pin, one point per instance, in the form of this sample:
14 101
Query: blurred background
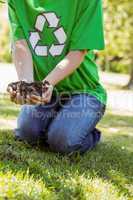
116 61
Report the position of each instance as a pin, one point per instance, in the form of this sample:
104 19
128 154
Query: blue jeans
66 124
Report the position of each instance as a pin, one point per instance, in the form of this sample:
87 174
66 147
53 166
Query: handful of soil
23 88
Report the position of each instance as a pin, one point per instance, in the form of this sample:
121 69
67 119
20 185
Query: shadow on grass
107 161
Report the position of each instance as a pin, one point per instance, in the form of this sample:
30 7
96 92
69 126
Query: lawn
105 173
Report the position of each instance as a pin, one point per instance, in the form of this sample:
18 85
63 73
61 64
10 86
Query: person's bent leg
33 121
74 127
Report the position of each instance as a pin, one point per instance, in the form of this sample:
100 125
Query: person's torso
48 26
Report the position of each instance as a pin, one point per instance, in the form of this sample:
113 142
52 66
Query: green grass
34 173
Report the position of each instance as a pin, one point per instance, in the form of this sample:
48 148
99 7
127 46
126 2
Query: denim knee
27 133
27 129
59 140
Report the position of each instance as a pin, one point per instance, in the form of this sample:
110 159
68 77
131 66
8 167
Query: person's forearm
22 59
66 67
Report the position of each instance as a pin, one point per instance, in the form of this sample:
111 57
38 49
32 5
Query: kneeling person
59 90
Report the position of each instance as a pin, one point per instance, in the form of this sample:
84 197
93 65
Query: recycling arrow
52 19
60 35
55 49
34 38
40 22
41 50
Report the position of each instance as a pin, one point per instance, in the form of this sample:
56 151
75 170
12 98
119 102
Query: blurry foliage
5 55
117 57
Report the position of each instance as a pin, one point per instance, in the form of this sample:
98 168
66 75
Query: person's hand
15 93
44 98
30 93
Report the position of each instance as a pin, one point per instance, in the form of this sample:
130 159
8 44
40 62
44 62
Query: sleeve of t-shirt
88 30
15 27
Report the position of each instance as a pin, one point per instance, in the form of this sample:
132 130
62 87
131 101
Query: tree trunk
130 83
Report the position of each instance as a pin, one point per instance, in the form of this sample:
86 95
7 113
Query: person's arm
22 59
20 52
63 69
66 67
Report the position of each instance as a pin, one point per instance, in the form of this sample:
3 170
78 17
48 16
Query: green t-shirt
52 28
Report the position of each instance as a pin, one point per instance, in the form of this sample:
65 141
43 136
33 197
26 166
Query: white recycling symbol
59 33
